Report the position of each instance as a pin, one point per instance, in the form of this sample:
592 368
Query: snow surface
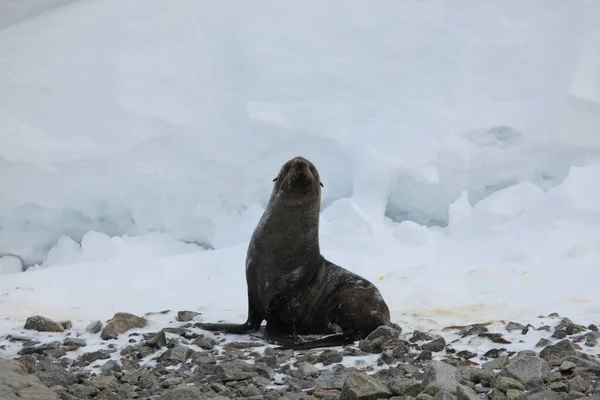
459 149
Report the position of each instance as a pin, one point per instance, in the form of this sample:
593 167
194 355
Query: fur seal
291 285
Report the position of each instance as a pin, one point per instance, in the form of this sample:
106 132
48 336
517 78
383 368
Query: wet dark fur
291 285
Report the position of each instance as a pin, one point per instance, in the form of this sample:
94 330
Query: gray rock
514 326
389 335
121 323
424 396
567 366
54 377
186 316
94 327
178 354
374 346
237 371
436 345
307 370
513 394
505 383
82 391
95 355
249 390
17 384
103 382
359 386
39 349
497 363
158 341
591 365
43 324
527 368
183 393
444 395
329 356
545 395
74 342
66 324
206 359
205 343
570 327
334 379
555 353
559 387
580 384
107 395
405 387
110 366
445 374
543 342
466 393
420 336
171 381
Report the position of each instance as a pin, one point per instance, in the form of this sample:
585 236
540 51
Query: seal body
290 284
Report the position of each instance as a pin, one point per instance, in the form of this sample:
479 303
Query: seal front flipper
336 339
252 324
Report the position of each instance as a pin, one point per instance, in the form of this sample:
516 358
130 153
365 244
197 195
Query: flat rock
555 353
505 383
545 395
445 374
405 387
183 393
121 323
334 379
58 376
39 349
359 386
435 346
186 316
17 384
43 324
74 342
466 393
527 368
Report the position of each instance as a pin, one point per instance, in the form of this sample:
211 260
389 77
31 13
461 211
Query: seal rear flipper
229 328
295 343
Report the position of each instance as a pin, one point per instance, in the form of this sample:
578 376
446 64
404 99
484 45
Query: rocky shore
128 358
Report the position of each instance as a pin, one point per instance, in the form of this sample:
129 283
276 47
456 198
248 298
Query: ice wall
125 116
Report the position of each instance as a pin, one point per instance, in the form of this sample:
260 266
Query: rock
95 355
554 376
328 394
66 324
444 395
445 374
158 341
494 353
559 387
178 354
359 386
483 375
17 384
237 370
543 342
527 368
571 328
497 363
374 346
94 327
110 366
334 379
580 384
183 393
329 356
83 391
466 354
107 395
121 323
405 387
432 389
74 342
567 366
474 330
186 316
465 393
103 382
42 324
495 337
389 334
435 345
593 328
249 390
419 336
425 355
205 343
559 334
555 353
505 383
545 395
307 370
514 326
513 394
58 376
590 365
39 349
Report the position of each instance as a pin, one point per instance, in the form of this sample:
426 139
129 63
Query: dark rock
514 326
425 355
494 337
494 353
329 356
571 328
419 336
593 328
591 365
554 354
559 387
95 355
359 386
58 376
559 334
94 327
466 354
475 330
158 341
57 352
400 351
74 342
374 346
121 323
40 349
527 368
435 345
543 342
405 387
446 375
242 345
42 324
186 316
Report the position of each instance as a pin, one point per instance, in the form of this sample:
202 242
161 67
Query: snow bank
125 118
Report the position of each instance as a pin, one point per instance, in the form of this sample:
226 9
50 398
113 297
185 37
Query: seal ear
321 183
275 179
